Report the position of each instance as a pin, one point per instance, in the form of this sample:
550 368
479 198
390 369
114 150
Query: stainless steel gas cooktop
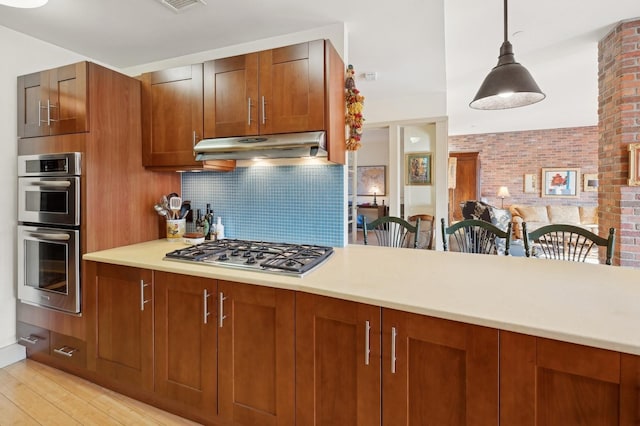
279 258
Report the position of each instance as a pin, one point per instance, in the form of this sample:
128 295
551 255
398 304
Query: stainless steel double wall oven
49 230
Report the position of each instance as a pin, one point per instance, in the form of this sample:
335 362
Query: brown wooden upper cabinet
53 102
171 116
296 88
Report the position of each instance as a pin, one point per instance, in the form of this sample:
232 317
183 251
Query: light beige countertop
594 305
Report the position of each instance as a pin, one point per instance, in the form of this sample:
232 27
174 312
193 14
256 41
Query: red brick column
619 125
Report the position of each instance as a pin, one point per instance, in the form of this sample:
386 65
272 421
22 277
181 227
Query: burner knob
250 261
223 257
235 252
260 255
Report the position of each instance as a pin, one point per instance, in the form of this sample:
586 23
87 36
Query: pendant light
25 4
509 84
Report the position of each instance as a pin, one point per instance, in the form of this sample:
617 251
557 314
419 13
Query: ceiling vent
180 5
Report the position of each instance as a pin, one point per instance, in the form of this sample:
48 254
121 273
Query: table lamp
503 193
374 189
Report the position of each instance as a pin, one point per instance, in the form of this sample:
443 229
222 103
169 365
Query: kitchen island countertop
593 305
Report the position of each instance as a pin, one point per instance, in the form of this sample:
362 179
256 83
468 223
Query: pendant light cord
505 21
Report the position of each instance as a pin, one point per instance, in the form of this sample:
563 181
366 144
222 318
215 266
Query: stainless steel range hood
289 145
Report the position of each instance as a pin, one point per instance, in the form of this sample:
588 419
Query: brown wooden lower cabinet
256 361
337 362
185 341
438 372
120 345
547 382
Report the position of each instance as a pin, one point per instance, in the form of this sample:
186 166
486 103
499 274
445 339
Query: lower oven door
49 267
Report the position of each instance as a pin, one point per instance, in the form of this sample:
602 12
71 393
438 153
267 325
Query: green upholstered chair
476 236
391 231
566 242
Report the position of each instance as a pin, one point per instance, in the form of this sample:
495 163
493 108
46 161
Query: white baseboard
12 353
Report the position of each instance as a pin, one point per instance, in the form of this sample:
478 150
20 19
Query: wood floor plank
28 401
51 391
10 414
79 401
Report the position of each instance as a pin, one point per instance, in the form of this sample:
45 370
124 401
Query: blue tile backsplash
293 204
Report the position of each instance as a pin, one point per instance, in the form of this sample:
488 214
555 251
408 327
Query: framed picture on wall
560 182
634 164
417 166
371 180
590 182
530 183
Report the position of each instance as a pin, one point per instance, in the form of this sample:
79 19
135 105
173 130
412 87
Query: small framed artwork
451 172
417 166
590 182
371 180
634 164
560 182
530 183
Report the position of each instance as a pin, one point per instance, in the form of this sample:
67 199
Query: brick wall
619 121
506 157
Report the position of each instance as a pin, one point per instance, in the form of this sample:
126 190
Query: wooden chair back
566 242
391 231
476 236
427 230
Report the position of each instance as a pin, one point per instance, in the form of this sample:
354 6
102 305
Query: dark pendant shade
509 84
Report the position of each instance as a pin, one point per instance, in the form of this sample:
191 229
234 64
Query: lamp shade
508 84
503 192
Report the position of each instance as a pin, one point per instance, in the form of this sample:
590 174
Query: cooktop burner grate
284 258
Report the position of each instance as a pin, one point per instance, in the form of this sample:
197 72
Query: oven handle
48 236
52 183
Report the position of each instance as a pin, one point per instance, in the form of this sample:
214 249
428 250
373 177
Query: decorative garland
353 116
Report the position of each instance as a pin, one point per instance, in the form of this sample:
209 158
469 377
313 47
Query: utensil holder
176 229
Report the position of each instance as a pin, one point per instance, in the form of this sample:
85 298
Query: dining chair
391 231
566 242
476 236
427 228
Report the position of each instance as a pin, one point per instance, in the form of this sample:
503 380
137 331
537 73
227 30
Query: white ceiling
403 41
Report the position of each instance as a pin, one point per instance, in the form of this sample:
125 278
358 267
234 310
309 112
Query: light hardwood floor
32 393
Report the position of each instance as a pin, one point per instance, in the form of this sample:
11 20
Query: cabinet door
185 340
32 97
69 109
547 382
171 116
255 355
438 372
337 362
231 96
120 345
292 88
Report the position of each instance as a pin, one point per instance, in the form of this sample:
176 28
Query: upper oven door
49 200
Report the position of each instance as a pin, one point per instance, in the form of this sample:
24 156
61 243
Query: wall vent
180 5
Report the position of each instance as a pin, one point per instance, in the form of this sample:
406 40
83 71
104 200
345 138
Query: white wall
374 151
419 199
21 55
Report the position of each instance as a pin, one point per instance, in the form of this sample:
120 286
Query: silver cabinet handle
29 339
65 351
142 300
193 142
50 236
39 113
249 113
205 298
394 334
264 114
221 315
367 345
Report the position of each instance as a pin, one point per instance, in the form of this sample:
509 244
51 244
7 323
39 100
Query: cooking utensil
184 210
175 204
